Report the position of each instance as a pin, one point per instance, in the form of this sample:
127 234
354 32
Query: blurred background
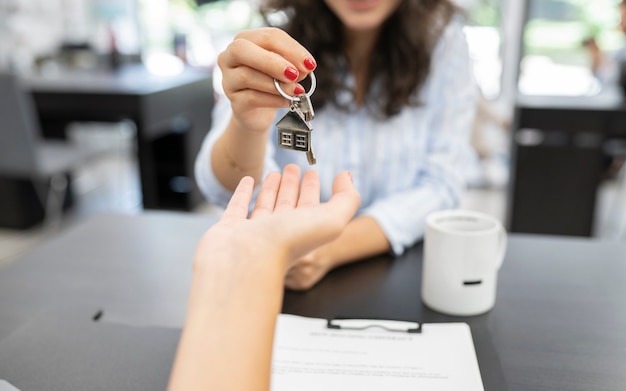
548 34
548 72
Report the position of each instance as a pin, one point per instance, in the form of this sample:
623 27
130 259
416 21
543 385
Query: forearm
239 270
362 238
238 153
228 335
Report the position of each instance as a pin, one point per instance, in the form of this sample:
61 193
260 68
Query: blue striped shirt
404 167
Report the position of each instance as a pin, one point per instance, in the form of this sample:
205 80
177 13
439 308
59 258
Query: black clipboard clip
363 324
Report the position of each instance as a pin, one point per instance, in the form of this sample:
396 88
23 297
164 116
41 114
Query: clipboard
342 354
364 324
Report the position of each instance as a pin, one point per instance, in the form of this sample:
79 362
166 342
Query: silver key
306 107
294 129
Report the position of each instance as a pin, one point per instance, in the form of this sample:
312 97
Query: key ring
293 98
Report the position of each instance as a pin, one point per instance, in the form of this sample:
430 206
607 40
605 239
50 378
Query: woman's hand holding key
249 66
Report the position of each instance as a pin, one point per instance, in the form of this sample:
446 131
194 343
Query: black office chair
24 154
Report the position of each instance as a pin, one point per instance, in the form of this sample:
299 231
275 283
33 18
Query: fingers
239 203
343 183
330 218
244 77
273 52
267 195
282 193
309 192
242 52
289 190
345 200
256 99
310 189
255 58
311 227
290 212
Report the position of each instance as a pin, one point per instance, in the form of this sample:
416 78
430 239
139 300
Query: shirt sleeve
209 185
450 95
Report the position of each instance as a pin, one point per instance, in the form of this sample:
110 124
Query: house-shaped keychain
294 129
294 132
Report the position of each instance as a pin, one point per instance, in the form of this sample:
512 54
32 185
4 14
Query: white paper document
309 356
5 386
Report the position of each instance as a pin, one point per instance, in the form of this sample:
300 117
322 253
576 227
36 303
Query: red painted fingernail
291 73
298 90
309 63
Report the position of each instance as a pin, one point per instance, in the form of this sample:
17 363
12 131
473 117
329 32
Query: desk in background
558 322
172 114
557 160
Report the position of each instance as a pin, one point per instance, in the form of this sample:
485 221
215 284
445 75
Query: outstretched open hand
239 271
287 222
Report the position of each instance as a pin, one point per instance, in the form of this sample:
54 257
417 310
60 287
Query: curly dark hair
406 41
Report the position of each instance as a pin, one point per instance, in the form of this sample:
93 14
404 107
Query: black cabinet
558 158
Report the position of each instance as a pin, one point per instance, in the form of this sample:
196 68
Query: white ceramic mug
463 251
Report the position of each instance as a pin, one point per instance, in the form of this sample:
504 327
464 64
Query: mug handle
501 247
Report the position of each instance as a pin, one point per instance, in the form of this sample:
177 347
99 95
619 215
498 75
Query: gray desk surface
130 79
558 323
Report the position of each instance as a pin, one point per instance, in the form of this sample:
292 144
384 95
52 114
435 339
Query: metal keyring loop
293 98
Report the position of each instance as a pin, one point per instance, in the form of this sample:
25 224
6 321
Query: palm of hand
287 223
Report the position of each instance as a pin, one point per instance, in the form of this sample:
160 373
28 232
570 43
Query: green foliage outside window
557 28
485 13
